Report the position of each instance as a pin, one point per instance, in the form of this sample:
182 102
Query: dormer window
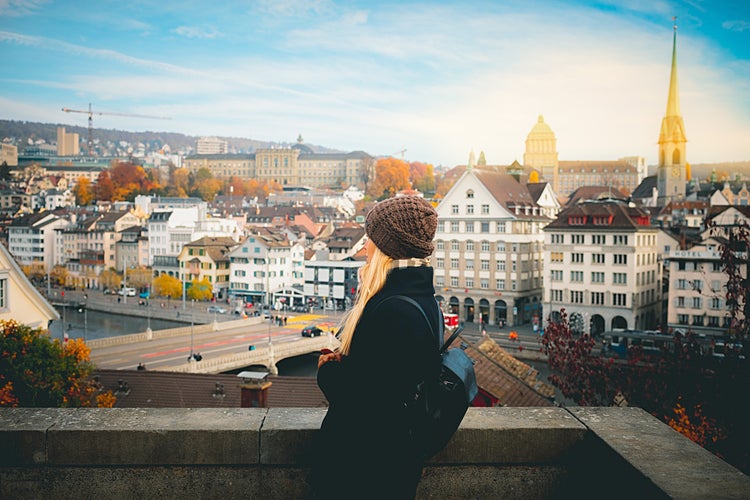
602 220
470 193
576 220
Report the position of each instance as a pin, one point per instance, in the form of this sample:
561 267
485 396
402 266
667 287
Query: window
501 227
557 239
470 194
441 226
683 319
485 265
621 239
500 284
439 281
697 303
621 259
439 262
485 209
469 264
454 281
470 209
454 263
698 320
697 285
597 298
500 246
485 227
3 290
469 282
576 276
713 321
556 275
576 239
619 299
556 256
576 258
484 283
454 209
715 303
454 227
576 297
597 258
485 246
469 246
598 239
680 301
500 265
620 278
556 295
681 284
597 277
454 245
469 227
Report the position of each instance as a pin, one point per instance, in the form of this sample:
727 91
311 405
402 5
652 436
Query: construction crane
91 114
400 153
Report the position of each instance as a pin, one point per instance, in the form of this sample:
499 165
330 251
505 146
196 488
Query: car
144 295
216 309
130 292
311 331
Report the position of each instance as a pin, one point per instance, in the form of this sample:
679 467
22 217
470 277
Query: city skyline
439 79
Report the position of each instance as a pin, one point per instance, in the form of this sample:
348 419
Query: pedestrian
387 349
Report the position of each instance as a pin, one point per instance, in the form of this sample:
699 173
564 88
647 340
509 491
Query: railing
265 453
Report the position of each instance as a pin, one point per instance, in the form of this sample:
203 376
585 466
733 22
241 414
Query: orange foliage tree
83 191
105 188
36 371
129 180
422 176
391 176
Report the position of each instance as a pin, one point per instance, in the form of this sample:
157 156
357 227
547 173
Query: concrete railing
264 453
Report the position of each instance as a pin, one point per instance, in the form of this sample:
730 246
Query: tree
36 371
59 275
200 290
83 192
105 188
204 185
391 176
422 176
167 286
110 279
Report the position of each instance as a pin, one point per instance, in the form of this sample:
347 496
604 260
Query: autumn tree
36 371
422 176
179 182
200 290
59 275
167 286
110 279
203 185
83 192
391 176
105 188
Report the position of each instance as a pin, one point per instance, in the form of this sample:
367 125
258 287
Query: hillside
19 132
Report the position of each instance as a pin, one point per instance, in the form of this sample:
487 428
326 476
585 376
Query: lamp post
192 313
124 281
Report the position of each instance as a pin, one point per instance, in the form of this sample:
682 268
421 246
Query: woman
363 448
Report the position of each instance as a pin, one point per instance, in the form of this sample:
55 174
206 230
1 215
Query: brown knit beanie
402 227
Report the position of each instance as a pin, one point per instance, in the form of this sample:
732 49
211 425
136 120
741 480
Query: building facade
603 266
488 256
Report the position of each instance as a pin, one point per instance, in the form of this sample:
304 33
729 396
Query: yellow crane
91 114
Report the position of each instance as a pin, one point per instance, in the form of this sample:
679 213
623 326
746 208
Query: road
165 353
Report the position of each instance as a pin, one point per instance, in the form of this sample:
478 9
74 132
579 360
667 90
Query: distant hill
21 131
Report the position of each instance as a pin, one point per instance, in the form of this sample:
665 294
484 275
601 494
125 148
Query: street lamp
192 313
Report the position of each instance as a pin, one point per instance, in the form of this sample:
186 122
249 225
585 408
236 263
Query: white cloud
19 8
197 32
736 25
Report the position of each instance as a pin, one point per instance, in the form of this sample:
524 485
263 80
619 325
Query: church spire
673 100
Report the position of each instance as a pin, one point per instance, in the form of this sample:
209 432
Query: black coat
363 449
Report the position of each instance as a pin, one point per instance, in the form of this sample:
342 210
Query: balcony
264 453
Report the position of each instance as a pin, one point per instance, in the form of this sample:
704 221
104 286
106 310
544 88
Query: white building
211 146
31 238
266 267
489 247
602 265
331 284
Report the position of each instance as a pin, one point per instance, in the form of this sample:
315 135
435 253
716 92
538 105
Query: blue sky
438 78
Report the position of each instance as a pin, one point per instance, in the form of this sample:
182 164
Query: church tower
672 161
541 152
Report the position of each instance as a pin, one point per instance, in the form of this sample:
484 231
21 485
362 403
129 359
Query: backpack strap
441 348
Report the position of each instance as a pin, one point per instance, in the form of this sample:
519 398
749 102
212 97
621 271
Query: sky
438 79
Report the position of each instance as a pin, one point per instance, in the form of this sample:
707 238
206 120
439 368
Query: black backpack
438 406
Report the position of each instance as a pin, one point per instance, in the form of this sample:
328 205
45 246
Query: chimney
254 389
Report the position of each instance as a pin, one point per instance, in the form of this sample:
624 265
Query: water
89 324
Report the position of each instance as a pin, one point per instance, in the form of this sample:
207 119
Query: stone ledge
236 453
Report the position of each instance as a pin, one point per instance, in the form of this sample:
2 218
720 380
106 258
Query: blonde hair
372 277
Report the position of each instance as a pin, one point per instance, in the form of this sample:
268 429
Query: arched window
676 157
470 193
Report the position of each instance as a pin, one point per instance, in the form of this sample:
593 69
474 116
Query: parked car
130 292
311 331
216 309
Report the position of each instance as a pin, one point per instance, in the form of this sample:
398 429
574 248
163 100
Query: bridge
224 346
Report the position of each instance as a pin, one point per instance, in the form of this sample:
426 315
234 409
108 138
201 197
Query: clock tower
672 161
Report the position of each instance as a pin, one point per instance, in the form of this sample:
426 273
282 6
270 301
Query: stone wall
264 453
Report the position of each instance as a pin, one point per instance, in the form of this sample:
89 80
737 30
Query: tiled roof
152 389
595 193
508 379
646 188
620 216
595 166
